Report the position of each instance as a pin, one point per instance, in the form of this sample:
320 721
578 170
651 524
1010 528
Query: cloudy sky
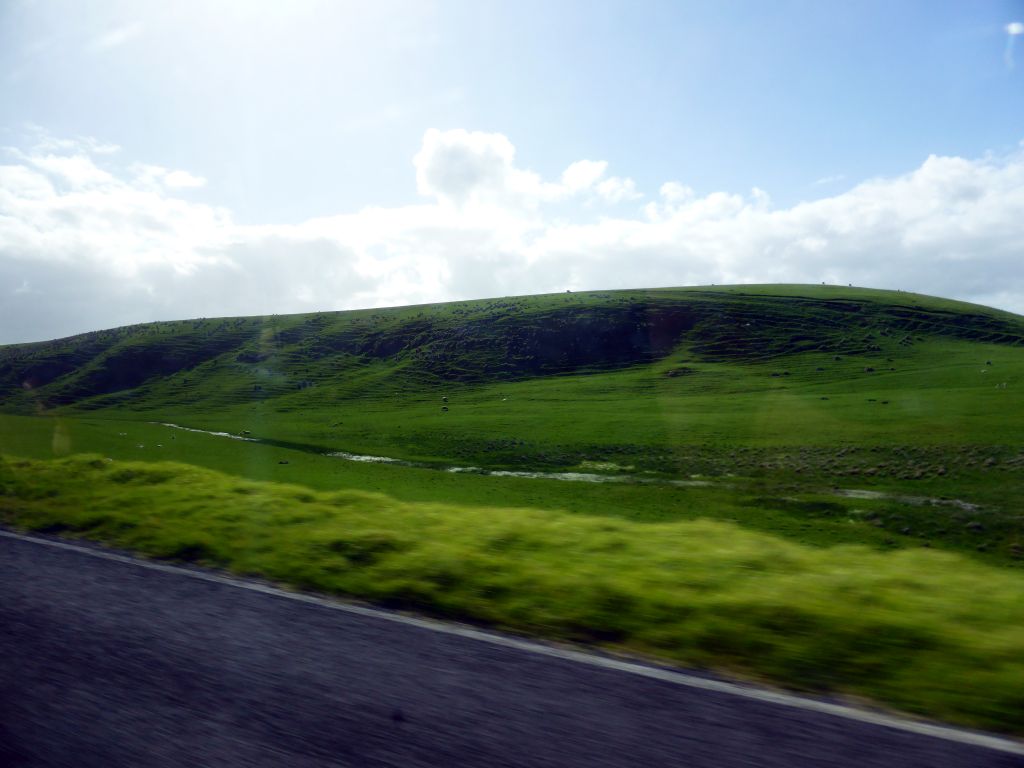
208 157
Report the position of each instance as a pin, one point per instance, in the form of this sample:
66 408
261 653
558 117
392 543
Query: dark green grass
926 632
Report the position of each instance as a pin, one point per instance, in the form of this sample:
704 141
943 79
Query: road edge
673 676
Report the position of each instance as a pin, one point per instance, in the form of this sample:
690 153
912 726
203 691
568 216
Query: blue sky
287 122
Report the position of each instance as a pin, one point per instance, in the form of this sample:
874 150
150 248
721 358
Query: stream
582 477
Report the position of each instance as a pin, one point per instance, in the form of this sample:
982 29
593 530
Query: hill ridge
486 340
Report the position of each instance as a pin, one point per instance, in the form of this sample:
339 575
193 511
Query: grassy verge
924 631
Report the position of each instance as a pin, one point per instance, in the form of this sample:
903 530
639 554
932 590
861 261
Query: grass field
874 432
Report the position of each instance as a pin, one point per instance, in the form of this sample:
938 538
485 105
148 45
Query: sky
205 158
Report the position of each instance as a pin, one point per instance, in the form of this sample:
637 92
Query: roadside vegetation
925 632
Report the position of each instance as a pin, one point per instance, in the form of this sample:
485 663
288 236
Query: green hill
776 395
260 358
818 485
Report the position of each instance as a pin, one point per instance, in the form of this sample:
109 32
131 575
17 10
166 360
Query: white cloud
75 171
183 180
583 174
42 141
833 179
116 36
617 190
154 176
471 167
101 246
460 168
1013 29
674 192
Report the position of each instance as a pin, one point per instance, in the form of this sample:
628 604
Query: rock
974 525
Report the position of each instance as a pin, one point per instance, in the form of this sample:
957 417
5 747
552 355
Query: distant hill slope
478 341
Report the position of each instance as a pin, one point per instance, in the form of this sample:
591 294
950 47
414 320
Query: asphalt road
104 662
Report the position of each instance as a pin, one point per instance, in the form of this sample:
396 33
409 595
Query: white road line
669 676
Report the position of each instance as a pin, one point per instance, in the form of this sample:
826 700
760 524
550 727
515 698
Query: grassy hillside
363 353
779 396
858 434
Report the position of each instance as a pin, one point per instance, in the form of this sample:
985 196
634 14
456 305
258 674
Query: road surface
107 661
